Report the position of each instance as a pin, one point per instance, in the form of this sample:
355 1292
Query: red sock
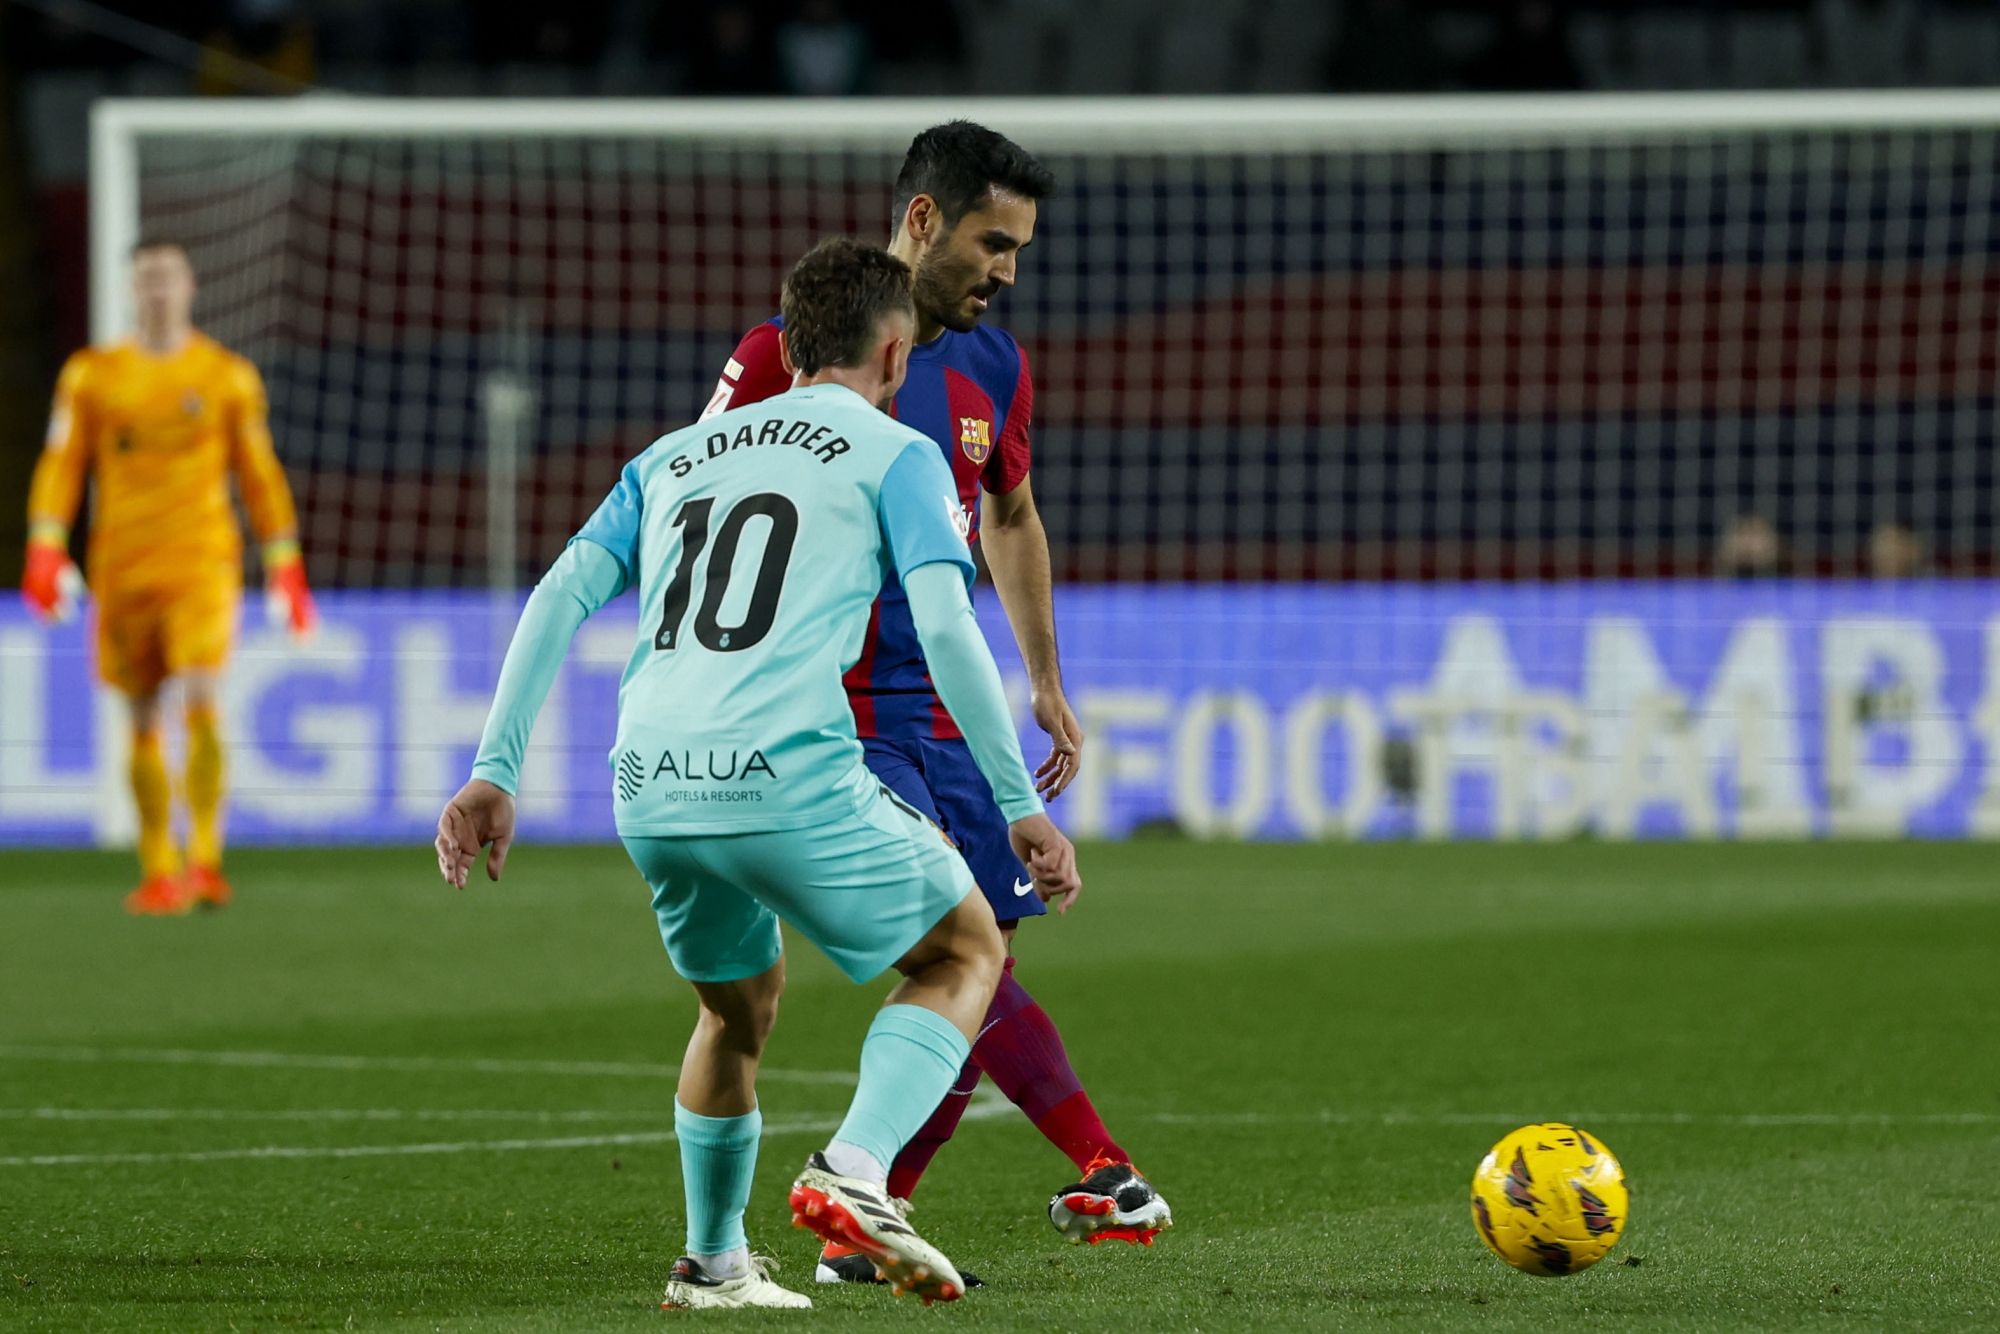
1022 1053
1020 1050
909 1166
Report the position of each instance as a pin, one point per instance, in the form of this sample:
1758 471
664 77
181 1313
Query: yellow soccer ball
1550 1200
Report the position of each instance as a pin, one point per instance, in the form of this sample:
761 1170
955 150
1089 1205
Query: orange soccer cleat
160 896
859 1215
206 887
1113 1202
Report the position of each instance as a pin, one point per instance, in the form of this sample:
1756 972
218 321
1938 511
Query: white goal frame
1081 124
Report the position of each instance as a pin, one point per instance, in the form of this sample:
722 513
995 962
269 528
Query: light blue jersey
759 540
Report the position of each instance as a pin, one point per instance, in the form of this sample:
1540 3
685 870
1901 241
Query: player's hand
1050 859
479 815
1054 716
288 602
51 584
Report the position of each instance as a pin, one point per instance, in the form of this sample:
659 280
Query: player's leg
1019 1047
895 765
130 661
727 946
898 766
719 1126
882 889
203 781
910 1058
200 628
161 892
914 1049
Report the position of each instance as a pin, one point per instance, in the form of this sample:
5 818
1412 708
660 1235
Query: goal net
1424 340
1531 466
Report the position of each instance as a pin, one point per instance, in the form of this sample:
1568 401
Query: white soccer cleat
1113 1202
849 1212
691 1288
844 1264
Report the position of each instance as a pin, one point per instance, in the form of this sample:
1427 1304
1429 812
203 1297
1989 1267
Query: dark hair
835 299
153 242
957 162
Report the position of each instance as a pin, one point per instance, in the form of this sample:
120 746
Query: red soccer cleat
1112 1203
855 1214
160 896
206 887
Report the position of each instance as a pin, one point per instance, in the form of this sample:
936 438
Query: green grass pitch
359 1099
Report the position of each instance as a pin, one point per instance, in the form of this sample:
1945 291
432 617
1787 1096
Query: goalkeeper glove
287 600
51 584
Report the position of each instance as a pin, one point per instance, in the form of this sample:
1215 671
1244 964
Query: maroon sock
1021 1052
908 1169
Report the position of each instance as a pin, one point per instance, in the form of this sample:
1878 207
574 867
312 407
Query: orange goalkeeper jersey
162 435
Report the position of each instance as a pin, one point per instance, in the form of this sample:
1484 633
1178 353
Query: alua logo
631 774
713 766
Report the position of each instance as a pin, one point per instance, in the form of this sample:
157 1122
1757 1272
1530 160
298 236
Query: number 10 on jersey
694 523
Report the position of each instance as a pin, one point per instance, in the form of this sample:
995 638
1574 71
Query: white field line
327 1114
401 1064
296 1151
982 1109
988 1106
1329 1117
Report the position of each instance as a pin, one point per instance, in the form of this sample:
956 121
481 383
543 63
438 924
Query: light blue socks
908 1063
718 1158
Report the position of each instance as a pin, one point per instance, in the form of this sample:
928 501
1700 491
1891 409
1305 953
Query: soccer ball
1549 1200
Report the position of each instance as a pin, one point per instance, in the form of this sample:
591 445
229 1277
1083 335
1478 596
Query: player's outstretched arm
919 508
968 682
50 581
480 816
584 578
1017 552
288 600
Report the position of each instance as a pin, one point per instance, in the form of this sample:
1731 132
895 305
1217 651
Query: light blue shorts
865 889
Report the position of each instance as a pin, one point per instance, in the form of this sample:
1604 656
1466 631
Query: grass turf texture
1791 1048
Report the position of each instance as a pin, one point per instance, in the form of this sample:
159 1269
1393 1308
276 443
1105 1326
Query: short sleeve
615 525
754 372
922 522
1008 467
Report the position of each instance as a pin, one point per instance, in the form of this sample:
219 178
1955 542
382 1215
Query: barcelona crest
975 437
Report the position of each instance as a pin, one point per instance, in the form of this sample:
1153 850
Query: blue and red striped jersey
972 394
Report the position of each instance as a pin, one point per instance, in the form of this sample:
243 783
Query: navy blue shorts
941 781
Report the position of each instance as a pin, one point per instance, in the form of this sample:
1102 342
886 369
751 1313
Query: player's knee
144 711
981 948
200 689
742 1028
740 1015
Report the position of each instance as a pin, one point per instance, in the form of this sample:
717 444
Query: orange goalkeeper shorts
145 635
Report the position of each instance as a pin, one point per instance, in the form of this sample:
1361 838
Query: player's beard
940 289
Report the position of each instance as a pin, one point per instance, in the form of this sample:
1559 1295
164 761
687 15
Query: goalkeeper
160 421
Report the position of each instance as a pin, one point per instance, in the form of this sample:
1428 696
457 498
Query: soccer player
160 421
966 204
758 541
